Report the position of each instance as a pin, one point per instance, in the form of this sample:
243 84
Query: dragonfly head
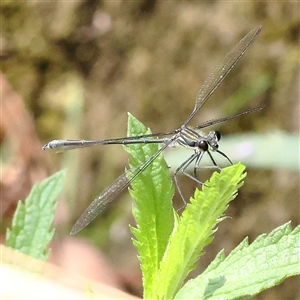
212 140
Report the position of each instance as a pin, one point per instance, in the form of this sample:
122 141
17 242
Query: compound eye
203 145
218 135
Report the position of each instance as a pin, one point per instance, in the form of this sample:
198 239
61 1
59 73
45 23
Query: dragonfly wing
112 191
221 71
98 205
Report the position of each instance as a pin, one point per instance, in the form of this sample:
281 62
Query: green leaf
248 269
195 228
31 226
169 246
152 191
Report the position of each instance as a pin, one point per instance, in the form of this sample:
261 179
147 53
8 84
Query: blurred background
72 70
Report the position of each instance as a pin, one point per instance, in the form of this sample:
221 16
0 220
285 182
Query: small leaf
31 226
248 269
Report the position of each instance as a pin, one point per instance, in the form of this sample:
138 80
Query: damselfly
184 136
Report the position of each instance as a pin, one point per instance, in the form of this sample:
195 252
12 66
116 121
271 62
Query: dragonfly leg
182 168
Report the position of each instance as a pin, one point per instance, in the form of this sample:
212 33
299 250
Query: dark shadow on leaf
213 285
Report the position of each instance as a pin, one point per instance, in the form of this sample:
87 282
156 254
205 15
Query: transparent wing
220 120
112 191
221 71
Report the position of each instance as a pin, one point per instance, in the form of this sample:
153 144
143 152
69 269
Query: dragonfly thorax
190 138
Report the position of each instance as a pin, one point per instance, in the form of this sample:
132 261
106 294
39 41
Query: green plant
170 245
31 229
